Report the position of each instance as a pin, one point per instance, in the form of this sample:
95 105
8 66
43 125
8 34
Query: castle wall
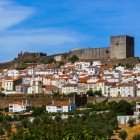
92 53
28 55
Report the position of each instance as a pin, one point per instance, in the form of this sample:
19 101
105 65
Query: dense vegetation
84 127
120 108
95 122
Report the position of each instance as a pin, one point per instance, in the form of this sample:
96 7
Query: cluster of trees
48 61
84 127
94 93
120 108
127 65
5 124
73 58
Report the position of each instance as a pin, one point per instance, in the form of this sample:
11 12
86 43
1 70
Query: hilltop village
43 96
82 72
77 77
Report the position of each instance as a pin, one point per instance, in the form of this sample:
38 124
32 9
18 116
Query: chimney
52 102
22 102
26 102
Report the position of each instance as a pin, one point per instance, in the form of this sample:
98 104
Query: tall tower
121 46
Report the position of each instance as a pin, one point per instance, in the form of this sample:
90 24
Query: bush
90 92
124 108
131 122
123 135
74 58
2 94
136 137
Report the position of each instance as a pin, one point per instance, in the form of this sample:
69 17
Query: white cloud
12 14
45 40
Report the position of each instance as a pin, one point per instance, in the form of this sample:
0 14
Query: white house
127 90
61 106
36 86
69 88
96 63
82 65
17 106
50 89
120 68
137 111
101 85
92 70
136 69
113 91
9 84
13 73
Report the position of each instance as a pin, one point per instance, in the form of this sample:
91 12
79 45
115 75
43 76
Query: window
117 43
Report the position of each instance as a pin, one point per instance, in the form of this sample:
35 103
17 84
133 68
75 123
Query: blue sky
55 26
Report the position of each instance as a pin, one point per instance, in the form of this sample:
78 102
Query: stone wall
120 47
92 53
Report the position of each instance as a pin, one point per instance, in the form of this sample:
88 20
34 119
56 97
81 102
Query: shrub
131 122
136 137
123 135
90 92
74 58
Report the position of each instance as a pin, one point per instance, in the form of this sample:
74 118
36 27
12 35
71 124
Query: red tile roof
61 103
18 102
83 80
51 87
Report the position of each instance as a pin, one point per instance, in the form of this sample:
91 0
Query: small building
22 88
50 89
137 112
69 88
36 87
17 106
61 106
9 84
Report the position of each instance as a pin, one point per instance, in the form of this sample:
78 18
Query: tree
124 108
61 63
90 92
131 122
112 106
58 118
136 137
74 58
51 60
38 111
2 94
98 93
129 66
1 132
123 135
25 122
7 128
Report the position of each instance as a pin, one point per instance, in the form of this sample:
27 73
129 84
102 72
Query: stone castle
121 47
29 55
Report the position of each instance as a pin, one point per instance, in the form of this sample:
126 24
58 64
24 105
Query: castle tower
121 47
